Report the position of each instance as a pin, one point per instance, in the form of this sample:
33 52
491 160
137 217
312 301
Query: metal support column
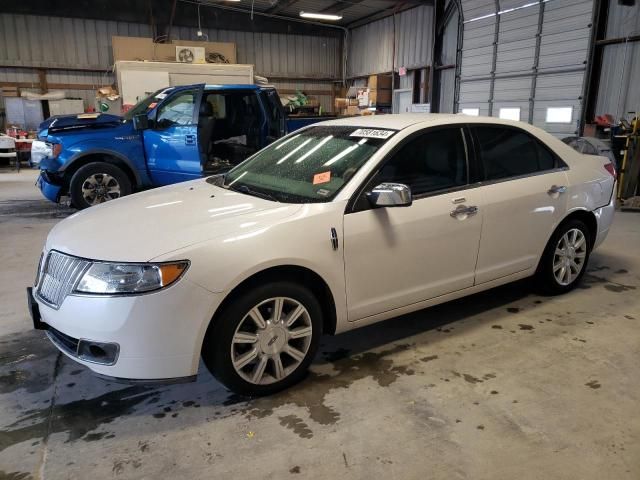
536 62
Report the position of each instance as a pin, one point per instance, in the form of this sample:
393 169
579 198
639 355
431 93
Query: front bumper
155 336
49 189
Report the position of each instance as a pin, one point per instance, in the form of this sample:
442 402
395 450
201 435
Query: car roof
233 86
400 121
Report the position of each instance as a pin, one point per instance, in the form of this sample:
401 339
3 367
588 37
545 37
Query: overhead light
320 16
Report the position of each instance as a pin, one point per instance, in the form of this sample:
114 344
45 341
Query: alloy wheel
271 341
100 188
569 256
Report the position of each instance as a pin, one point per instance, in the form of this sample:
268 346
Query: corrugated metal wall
38 41
448 56
371 46
530 55
619 90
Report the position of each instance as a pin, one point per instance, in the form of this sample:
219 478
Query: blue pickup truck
175 134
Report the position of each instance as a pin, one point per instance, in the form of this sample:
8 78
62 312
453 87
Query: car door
522 199
396 256
171 144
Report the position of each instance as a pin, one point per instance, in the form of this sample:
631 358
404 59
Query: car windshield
307 167
146 104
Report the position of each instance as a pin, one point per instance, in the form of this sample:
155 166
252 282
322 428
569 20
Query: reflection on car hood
144 226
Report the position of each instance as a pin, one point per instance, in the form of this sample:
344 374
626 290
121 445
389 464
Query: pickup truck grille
58 277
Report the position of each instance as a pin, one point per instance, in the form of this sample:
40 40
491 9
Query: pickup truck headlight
129 278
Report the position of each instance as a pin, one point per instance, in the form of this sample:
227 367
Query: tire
560 273
106 180
236 338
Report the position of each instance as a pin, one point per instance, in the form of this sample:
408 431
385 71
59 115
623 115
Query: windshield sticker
152 105
323 177
161 96
323 192
372 133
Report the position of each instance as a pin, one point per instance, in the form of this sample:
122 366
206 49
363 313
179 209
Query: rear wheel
265 340
565 258
96 183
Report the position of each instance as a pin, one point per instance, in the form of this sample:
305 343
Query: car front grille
58 277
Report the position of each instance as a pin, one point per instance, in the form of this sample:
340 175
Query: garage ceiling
269 15
352 11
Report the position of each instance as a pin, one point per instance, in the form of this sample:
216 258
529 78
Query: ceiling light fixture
320 16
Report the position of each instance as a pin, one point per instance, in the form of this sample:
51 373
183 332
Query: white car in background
336 226
7 148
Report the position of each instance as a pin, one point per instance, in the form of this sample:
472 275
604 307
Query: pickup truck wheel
96 183
265 340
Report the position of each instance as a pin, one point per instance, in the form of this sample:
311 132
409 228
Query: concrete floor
500 385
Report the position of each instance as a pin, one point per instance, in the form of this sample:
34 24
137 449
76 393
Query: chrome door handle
464 210
557 189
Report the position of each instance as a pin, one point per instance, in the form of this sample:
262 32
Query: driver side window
178 110
432 161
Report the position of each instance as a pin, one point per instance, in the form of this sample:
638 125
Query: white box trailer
136 80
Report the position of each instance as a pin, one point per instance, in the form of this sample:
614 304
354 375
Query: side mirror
141 122
390 195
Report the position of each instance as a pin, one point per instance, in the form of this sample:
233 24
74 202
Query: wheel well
98 157
589 220
300 275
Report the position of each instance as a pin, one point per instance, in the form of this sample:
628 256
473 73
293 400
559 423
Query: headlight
56 148
129 278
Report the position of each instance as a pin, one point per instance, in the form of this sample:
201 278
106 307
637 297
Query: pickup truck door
171 144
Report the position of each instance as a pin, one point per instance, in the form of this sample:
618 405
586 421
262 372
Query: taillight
56 148
611 168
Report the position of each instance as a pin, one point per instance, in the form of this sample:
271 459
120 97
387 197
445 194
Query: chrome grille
59 275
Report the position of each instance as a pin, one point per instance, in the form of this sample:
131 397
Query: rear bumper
50 190
604 217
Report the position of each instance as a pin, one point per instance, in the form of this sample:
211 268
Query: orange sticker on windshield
152 105
323 177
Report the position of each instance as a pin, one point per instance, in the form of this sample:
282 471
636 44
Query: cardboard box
352 110
341 103
133 48
353 102
143 49
379 97
379 81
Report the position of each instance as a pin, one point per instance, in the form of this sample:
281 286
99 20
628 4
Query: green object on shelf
104 107
297 100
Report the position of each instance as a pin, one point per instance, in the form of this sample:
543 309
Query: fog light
97 352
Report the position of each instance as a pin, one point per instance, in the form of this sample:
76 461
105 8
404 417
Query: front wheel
96 183
265 340
565 258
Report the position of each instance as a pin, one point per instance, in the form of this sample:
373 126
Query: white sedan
340 225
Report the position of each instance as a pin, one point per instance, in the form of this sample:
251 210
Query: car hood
63 123
141 227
